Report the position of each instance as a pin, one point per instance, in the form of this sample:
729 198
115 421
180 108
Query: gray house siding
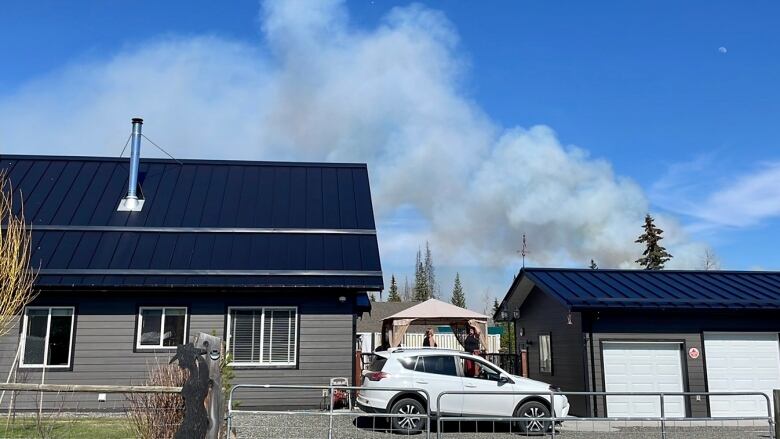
104 341
541 314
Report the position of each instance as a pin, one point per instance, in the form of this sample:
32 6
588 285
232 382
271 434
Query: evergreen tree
593 265
421 291
430 272
655 255
393 296
458 297
372 297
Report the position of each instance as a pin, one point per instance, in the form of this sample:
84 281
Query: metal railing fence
333 423
764 423
327 422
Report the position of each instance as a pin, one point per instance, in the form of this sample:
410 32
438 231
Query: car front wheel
532 411
408 416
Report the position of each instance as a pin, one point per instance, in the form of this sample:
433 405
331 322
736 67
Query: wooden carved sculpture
195 389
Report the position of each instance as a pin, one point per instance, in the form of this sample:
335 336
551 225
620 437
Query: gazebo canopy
433 312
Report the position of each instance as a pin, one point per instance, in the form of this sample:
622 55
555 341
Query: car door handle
421 382
472 386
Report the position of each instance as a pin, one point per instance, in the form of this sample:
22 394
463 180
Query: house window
545 354
161 327
47 336
263 336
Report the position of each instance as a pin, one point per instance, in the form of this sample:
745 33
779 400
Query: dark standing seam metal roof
219 223
583 289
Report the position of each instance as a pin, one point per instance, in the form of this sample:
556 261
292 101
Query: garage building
650 331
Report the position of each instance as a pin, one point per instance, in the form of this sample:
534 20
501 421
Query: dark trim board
704 366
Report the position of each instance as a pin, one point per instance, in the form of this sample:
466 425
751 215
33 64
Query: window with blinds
263 336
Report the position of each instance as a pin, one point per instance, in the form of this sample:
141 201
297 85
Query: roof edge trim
235 162
152 272
151 229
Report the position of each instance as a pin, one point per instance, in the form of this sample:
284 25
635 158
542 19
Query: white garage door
741 362
643 367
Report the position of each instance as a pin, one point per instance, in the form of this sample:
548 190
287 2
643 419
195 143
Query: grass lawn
87 428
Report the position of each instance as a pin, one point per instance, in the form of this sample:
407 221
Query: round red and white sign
693 353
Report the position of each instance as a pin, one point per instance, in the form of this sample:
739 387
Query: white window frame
262 363
23 344
549 370
160 346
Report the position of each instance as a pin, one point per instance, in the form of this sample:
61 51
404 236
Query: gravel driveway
357 425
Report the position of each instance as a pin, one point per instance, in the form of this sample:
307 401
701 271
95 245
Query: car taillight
377 376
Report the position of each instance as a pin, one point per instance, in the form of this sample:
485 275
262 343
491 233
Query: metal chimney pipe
135 158
131 203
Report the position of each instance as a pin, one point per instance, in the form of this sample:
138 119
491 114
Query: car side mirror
503 379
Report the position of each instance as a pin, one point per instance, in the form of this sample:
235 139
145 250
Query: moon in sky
722 49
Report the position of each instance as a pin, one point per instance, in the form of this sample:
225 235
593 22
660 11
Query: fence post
776 394
330 420
552 413
216 403
663 418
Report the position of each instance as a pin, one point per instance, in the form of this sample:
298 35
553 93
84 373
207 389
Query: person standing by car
471 345
429 341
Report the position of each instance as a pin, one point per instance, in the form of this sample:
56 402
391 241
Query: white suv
441 370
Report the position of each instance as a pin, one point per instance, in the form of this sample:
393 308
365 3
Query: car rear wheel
532 410
409 416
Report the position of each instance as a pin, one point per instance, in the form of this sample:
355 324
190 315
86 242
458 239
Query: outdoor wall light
520 331
516 314
568 319
342 299
504 315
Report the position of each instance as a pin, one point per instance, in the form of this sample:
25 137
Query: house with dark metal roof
135 256
650 331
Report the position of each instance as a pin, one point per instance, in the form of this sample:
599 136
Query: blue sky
672 108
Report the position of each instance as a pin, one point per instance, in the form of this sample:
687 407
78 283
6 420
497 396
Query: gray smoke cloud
318 88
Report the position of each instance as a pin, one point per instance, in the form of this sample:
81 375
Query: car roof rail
424 348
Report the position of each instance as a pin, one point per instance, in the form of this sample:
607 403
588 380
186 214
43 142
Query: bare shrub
158 415
16 277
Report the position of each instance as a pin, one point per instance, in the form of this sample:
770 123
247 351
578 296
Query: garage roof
581 289
204 223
